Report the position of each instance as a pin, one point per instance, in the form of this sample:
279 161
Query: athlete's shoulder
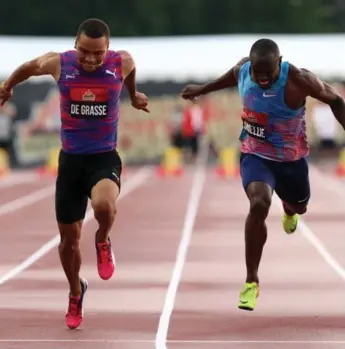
243 61
125 55
68 55
113 53
127 62
239 67
114 57
309 84
302 76
296 73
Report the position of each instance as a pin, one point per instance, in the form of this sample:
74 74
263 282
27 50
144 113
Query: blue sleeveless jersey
270 128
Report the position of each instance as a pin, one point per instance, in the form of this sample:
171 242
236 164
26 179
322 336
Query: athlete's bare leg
103 200
260 196
70 255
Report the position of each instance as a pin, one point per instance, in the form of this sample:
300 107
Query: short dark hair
93 28
264 47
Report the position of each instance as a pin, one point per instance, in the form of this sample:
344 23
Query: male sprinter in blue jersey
274 145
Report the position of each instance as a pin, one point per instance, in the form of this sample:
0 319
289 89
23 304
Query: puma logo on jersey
110 73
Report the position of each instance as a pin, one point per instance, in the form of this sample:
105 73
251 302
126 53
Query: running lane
27 216
122 310
326 213
301 296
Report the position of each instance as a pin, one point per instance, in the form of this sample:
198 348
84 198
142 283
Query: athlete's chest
268 100
278 99
109 78
91 96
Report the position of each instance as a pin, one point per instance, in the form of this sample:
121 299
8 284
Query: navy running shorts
290 180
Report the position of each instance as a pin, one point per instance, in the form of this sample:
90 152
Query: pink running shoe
105 259
74 315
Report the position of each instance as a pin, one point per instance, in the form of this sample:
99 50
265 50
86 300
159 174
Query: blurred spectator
176 127
194 126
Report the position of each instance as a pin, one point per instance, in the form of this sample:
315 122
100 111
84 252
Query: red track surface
302 298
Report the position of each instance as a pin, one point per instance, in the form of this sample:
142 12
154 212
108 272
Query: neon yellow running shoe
290 223
248 296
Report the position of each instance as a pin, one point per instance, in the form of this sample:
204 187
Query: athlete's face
91 53
265 70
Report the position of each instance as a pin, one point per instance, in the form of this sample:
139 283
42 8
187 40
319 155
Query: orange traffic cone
340 169
171 164
51 167
4 163
228 163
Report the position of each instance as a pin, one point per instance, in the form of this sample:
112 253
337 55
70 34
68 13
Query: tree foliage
172 17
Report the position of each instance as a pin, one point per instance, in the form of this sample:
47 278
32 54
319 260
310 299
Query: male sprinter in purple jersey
274 145
90 80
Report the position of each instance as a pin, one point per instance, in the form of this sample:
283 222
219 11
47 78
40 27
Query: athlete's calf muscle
70 255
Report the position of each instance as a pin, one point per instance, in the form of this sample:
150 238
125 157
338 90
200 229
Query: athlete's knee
104 208
260 199
295 208
103 199
259 207
70 235
300 209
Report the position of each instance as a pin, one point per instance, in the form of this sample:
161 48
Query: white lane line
129 186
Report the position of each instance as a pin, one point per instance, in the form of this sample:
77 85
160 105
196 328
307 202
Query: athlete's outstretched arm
48 64
138 99
129 73
320 90
229 79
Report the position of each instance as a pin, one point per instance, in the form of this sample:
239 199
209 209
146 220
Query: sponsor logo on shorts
115 175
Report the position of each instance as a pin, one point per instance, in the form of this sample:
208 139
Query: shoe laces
104 252
73 306
251 290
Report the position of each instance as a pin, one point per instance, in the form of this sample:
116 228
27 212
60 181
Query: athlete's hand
190 92
5 94
140 101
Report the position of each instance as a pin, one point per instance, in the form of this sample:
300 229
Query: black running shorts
77 175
